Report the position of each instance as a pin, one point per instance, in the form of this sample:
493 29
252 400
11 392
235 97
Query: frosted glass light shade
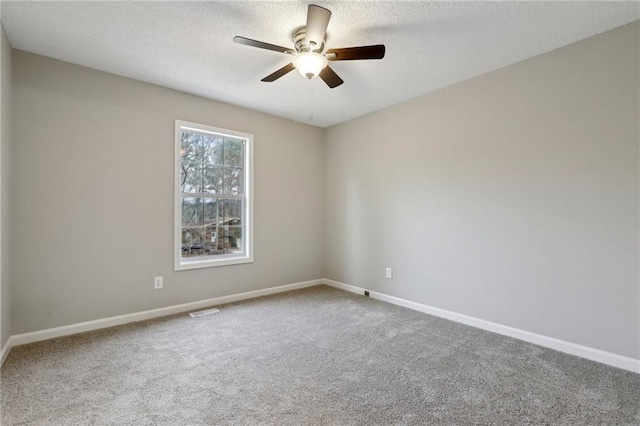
309 63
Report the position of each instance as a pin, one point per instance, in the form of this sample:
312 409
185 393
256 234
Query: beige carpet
317 356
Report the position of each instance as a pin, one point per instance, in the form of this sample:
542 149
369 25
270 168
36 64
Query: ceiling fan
308 53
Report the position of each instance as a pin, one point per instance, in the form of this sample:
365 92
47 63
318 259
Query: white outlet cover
158 283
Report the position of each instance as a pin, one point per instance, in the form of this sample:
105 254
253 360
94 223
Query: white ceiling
188 45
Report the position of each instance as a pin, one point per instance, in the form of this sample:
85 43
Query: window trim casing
210 262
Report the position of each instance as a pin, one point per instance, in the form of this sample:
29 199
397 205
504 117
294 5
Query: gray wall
5 149
92 200
511 197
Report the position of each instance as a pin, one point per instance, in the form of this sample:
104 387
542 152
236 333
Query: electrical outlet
157 283
390 273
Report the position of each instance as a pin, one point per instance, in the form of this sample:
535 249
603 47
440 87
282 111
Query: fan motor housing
299 42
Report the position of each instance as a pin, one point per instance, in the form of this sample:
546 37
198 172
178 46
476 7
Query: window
213 212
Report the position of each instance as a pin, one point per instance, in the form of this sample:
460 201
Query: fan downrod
299 44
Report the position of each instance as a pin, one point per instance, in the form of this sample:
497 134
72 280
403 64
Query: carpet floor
317 356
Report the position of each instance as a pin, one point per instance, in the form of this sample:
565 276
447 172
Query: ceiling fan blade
276 75
330 77
353 53
317 22
261 45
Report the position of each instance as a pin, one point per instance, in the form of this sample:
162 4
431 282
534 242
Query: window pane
232 180
220 231
213 210
191 148
213 180
222 226
213 148
233 239
190 177
221 180
231 226
212 215
192 227
192 212
233 153
233 210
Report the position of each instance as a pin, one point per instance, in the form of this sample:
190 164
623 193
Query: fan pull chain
311 100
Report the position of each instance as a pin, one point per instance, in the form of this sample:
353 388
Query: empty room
319 213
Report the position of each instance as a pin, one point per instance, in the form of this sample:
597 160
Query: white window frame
246 256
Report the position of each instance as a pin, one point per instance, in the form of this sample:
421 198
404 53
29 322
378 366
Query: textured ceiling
188 45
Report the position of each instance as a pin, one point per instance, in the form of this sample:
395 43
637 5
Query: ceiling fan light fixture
309 63
308 47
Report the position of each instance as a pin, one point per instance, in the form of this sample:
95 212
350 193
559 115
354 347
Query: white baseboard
35 336
597 355
5 350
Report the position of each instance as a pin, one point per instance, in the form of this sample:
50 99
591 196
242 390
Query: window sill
185 265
